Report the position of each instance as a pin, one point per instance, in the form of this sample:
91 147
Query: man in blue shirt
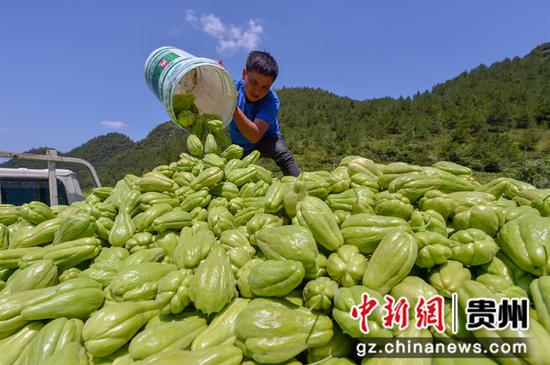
255 125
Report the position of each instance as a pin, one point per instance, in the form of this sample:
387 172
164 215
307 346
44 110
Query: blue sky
72 70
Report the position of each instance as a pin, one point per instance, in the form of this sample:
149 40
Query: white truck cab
22 185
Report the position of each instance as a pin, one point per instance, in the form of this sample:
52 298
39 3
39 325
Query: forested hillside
114 155
494 119
490 118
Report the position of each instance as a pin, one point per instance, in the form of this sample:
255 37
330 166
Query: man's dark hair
262 62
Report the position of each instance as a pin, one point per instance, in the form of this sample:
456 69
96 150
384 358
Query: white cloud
112 124
226 45
212 25
190 16
230 37
235 31
174 32
251 37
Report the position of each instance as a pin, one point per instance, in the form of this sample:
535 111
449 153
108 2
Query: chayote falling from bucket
188 86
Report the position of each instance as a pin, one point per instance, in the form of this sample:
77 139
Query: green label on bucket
161 65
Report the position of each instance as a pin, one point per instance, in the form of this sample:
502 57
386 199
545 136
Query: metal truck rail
51 157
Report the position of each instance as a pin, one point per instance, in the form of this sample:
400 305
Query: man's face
256 85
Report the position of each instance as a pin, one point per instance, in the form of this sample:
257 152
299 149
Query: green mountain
161 146
97 151
114 155
494 119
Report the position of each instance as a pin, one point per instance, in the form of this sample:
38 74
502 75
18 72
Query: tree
542 112
499 117
529 139
523 118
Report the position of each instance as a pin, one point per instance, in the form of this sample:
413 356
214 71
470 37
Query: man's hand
251 130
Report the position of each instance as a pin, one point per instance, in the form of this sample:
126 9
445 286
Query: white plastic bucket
170 71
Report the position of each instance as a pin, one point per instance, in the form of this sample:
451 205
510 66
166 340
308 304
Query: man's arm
251 130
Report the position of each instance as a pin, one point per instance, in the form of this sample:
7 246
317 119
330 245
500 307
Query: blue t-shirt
265 109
